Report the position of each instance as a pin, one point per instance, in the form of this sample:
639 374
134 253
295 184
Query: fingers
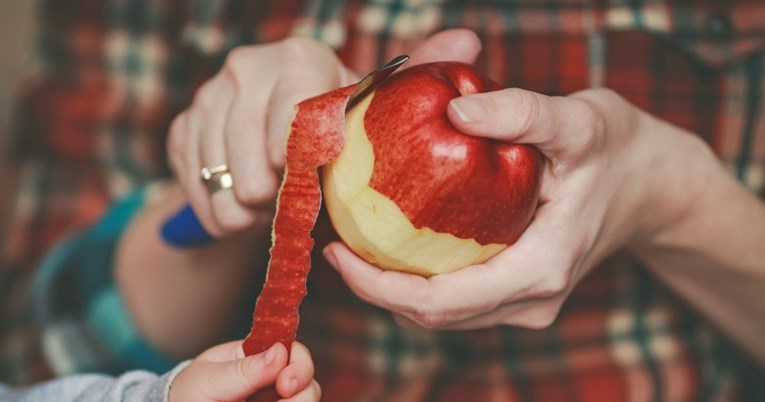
243 144
533 313
298 375
374 285
196 141
222 373
519 273
255 142
241 378
255 180
311 393
241 118
561 127
232 380
430 302
215 104
301 84
449 45
320 72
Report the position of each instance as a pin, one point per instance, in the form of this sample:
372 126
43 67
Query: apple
411 193
403 188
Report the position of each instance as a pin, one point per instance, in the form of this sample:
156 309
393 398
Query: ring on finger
216 178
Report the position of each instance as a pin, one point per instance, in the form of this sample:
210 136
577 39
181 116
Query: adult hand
607 165
241 117
223 374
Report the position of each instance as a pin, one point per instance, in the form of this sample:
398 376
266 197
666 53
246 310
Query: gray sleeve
133 386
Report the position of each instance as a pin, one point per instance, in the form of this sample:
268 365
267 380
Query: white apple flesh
408 192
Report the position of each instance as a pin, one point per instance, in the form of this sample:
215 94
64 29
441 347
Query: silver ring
217 178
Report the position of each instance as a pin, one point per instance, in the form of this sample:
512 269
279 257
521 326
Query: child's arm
131 386
221 373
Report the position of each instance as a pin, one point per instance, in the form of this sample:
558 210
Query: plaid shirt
113 73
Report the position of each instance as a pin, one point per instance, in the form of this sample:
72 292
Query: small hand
223 374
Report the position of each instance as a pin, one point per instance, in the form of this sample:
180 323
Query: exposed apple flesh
409 192
405 190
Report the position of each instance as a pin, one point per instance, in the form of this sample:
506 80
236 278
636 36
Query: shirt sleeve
84 324
133 386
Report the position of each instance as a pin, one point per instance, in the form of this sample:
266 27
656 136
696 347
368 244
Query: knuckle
240 56
300 47
176 140
247 372
542 321
595 136
430 318
529 105
203 98
231 219
547 285
607 96
554 285
243 369
303 50
596 106
254 192
588 128
549 288
555 280
239 63
541 318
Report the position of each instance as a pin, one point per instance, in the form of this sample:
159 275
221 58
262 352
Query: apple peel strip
316 138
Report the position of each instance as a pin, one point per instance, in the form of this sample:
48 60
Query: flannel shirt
112 74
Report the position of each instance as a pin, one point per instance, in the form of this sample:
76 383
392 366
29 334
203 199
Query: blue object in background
184 230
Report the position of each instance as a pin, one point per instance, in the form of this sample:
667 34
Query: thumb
556 125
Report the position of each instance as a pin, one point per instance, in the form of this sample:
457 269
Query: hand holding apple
241 117
607 163
411 193
210 282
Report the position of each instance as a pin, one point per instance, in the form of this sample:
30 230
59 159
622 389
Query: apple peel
411 193
316 138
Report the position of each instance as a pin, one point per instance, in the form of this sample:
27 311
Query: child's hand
222 373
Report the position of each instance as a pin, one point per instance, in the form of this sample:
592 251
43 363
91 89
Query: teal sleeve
84 323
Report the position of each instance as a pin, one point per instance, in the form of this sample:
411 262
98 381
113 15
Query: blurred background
17 30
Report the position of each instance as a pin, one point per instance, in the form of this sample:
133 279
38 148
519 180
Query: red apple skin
442 179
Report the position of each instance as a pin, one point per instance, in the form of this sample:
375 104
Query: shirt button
719 25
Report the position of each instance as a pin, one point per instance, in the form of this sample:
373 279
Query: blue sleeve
133 386
84 323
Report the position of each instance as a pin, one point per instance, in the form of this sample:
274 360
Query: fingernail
330 256
270 356
469 109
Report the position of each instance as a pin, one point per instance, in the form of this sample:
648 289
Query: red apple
404 189
409 192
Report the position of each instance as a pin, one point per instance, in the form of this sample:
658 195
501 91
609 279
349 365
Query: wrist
681 171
